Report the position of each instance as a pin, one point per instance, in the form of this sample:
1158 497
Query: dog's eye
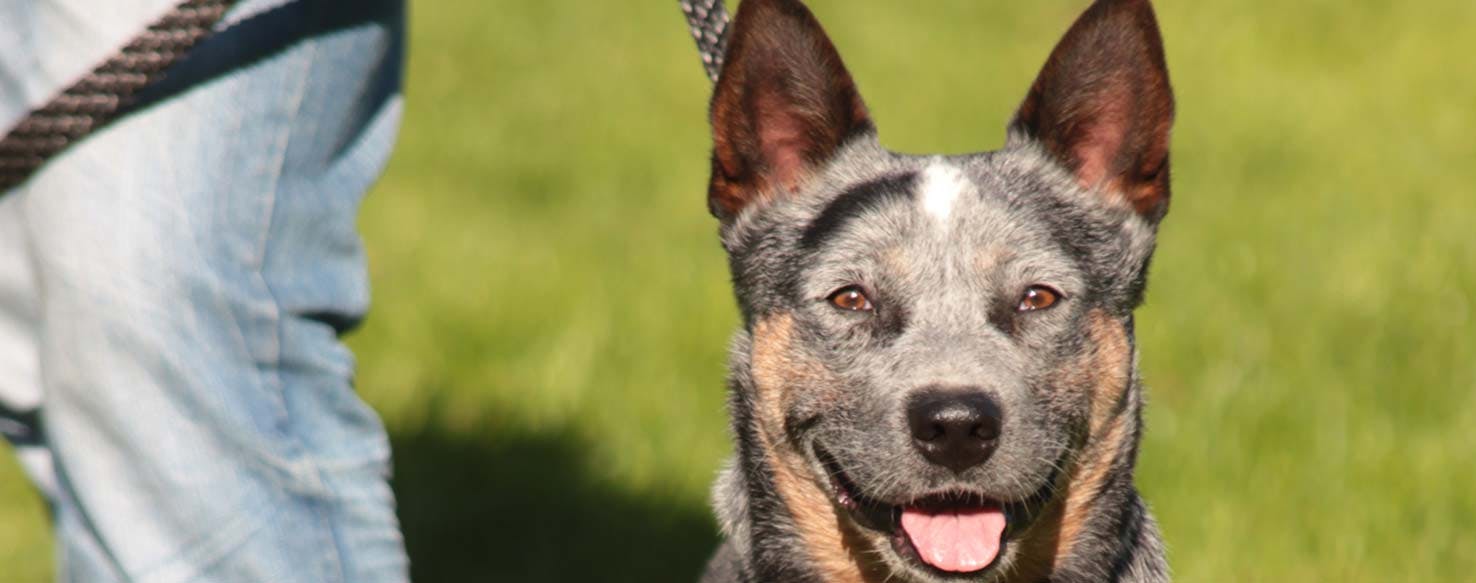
851 298
1038 297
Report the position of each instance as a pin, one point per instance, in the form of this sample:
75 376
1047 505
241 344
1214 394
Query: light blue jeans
172 290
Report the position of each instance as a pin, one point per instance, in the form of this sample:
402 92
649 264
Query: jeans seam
333 563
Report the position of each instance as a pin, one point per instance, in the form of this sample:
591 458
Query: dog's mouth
951 533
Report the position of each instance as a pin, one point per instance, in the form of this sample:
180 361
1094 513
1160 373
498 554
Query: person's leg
195 263
20 377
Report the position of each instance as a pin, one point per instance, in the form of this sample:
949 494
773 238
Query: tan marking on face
1088 482
1034 556
1103 373
777 370
993 256
1051 540
1111 430
837 550
894 260
1111 364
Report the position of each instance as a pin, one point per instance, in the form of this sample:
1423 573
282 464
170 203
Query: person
173 288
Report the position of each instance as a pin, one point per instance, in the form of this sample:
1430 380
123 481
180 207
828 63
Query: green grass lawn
552 307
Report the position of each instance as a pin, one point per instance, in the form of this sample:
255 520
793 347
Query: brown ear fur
783 105
1103 107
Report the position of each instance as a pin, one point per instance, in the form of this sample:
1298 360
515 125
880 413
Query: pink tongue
958 541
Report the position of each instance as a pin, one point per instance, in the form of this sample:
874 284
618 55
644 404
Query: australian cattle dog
936 378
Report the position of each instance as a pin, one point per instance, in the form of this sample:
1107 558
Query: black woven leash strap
99 97
708 20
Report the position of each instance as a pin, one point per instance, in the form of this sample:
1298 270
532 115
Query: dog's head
931 340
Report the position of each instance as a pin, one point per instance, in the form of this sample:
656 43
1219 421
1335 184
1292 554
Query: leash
105 93
708 20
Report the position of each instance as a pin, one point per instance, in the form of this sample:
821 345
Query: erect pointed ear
1103 108
782 107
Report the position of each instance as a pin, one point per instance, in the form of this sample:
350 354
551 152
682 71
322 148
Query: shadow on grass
524 508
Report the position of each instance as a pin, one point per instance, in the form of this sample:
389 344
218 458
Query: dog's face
931 340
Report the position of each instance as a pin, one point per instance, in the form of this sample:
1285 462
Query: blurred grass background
548 341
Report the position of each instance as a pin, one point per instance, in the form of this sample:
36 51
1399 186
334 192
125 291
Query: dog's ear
782 107
1103 108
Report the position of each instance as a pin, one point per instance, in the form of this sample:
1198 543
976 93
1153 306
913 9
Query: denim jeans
172 291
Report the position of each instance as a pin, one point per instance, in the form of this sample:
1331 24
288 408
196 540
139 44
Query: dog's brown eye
1038 297
851 298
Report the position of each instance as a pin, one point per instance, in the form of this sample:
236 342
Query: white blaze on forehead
941 186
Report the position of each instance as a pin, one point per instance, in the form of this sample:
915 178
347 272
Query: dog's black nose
957 429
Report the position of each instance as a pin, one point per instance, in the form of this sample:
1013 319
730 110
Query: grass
548 340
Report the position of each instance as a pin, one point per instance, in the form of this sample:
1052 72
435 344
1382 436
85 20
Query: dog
936 377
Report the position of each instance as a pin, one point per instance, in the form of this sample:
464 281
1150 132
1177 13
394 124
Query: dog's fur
943 247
